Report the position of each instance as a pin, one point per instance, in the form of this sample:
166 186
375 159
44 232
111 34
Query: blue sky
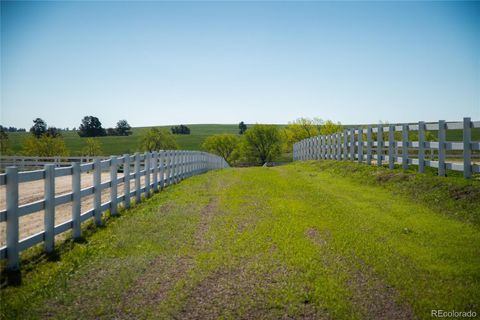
156 63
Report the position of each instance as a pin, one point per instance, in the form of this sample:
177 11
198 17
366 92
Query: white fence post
323 148
162 169
155 171
421 147
345 144
126 175
405 146
338 146
77 200
379 145
352 144
391 145
49 217
12 218
360 145
97 181
147 174
467 148
173 166
170 167
369 145
138 187
441 148
114 186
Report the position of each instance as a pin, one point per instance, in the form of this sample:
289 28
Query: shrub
156 139
45 146
92 148
224 145
262 143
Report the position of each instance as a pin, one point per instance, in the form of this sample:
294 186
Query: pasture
319 240
129 144
119 145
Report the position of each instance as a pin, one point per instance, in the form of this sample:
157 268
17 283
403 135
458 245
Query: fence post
379 145
345 144
333 146
467 148
49 217
338 145
360 145
391 145
172 167
114 185
304 145
352 144
12 219
405 146
308 148
97 181
169 168
126 176
441 148
421 146
77 200
185 160
155 171
325 147
147 174
369 145
162 169
138 196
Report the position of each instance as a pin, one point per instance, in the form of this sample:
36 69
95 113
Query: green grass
315 239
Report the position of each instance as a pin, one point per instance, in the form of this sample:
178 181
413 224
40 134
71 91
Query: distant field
120 145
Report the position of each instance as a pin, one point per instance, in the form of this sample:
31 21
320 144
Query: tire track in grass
374 298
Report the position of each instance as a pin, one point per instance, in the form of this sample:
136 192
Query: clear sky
158 63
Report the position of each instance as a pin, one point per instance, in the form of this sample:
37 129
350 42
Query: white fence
29 163
159 169
358 144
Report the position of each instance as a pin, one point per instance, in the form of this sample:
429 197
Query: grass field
119 145
317 240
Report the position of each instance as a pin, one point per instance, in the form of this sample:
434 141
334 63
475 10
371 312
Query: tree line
255 145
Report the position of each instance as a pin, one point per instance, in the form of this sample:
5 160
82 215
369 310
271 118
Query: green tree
330 127
123 128
39 127
181 129
45 146
224 145
242 127
262 143
4 143
91 127
156 139
301 128
93 147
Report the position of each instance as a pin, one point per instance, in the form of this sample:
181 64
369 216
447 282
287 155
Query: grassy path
297 241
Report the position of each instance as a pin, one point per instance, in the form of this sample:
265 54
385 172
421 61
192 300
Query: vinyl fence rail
29 163
164 167
390 144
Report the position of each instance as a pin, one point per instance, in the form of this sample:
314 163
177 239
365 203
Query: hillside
305 240
120 145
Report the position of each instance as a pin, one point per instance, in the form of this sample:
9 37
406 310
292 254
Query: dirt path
33 191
